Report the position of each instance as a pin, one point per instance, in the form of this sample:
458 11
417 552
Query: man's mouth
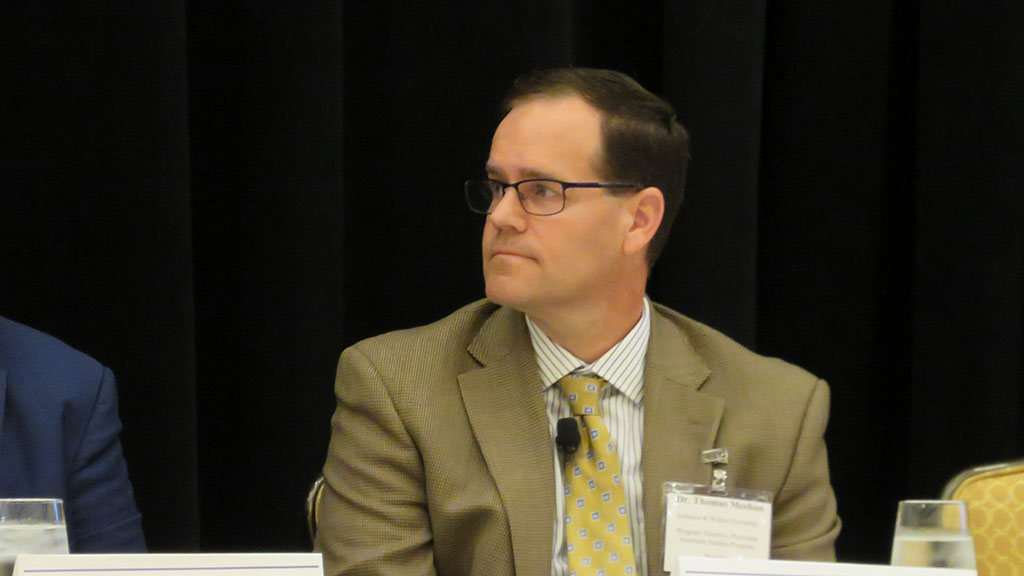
508 253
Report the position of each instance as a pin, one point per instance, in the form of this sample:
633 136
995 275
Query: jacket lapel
505 403
679 423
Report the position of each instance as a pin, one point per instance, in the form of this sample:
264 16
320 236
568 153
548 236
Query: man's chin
504 295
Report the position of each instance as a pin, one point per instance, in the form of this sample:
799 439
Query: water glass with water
31 526
933 533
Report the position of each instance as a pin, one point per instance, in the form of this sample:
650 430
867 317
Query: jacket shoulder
465 321
31 355
731 362
440 343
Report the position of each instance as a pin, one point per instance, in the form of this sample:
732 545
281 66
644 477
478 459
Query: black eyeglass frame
515 185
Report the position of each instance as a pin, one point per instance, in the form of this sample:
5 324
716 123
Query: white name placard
692 566
169 565
716 526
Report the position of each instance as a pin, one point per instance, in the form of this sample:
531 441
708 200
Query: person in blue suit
59 438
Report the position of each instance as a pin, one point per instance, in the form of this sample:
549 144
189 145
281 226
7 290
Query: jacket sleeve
373 516
100 505
806 524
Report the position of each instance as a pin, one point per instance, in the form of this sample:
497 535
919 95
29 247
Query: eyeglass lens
539 197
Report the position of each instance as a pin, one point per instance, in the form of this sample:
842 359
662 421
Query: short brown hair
642 140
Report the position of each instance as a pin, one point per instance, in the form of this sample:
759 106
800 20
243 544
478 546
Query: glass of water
31 526
933 533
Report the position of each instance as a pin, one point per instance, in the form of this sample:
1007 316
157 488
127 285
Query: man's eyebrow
527 174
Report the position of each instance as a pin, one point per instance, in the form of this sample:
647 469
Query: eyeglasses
537 196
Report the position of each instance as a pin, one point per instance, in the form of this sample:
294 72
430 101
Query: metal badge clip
718 478
718 458
715 456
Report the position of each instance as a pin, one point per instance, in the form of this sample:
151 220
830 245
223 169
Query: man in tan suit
442 457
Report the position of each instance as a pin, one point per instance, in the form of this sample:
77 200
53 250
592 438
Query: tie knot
583 394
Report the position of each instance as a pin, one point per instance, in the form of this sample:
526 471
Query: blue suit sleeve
100 504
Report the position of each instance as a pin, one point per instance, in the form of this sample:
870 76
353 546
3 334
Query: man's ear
646 209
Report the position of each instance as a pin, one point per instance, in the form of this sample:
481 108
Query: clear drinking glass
933 533
31 526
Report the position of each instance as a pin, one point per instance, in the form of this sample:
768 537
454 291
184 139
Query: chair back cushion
995 502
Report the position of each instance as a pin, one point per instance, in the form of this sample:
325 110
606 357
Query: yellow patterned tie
597 532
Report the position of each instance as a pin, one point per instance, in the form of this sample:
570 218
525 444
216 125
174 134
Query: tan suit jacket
440 459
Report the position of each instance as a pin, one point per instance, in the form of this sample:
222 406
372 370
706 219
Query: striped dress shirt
622 411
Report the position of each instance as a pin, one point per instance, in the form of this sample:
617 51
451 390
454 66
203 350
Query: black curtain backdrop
214 198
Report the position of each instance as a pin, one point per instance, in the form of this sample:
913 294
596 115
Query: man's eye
542 190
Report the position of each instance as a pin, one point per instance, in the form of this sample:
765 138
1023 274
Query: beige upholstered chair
312 505
995 502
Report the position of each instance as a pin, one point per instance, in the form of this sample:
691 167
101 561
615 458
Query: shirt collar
622 366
